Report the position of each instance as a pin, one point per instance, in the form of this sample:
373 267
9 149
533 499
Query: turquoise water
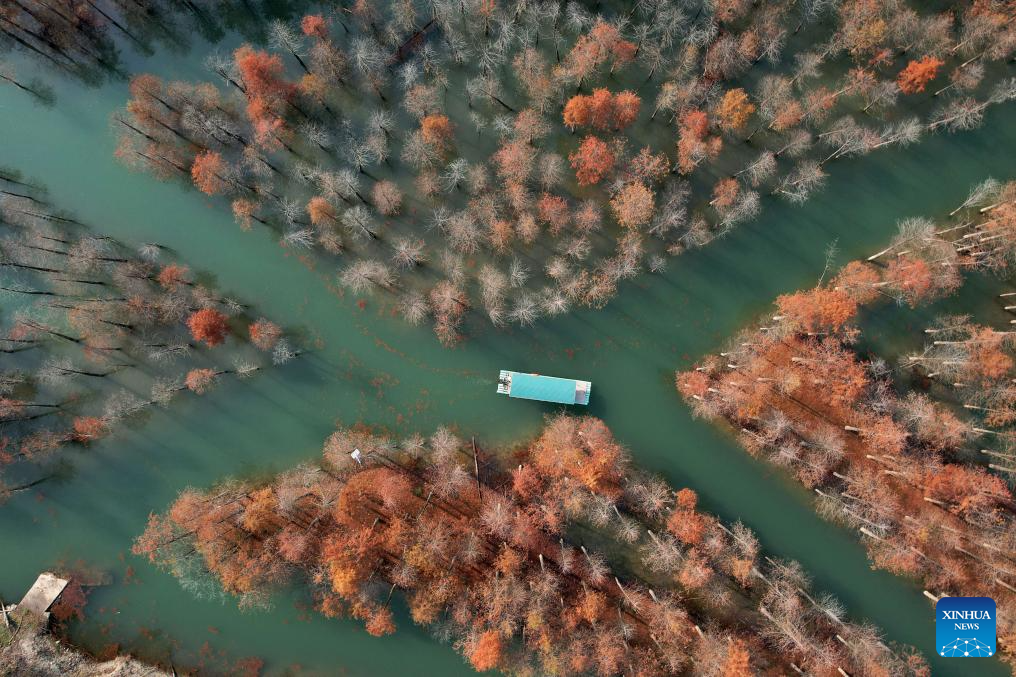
368 366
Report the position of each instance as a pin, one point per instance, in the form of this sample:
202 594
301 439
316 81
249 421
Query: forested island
488 559
536 196
85 307
231 229
921 470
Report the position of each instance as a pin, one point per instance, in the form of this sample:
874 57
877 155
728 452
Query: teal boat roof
546 388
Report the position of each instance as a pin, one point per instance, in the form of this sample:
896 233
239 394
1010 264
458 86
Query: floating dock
543 388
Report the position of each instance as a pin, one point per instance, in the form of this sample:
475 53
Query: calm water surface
367 366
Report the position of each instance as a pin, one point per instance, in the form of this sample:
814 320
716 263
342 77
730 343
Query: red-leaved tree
592 161
918 73
208 325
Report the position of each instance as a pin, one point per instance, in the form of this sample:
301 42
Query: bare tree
408 252
413 307
518 273
359 222
980 194
364 275
455 173
798 186
760 169
525 310
282 36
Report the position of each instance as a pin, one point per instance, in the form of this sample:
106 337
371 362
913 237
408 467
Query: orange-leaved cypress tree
264 334
918 73
486 655
819 309
208 325
734 110
626 108
200 381
436 130
592 161
576 112
314 25
88 428
206 172
320 211
634 204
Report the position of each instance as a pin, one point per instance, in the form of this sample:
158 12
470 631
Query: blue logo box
965 627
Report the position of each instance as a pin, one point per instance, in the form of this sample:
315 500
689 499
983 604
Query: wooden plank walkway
42 594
